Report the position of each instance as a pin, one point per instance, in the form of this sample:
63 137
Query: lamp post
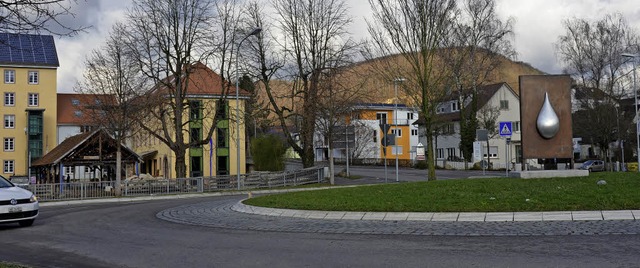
634 57
395 120
254 32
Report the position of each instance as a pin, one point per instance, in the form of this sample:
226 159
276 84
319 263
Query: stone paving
223 213
444 216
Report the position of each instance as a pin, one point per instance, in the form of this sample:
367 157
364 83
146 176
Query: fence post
201 184
295 178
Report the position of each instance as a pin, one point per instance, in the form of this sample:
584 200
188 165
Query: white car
17 204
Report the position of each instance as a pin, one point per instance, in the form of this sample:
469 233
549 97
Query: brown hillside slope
378 89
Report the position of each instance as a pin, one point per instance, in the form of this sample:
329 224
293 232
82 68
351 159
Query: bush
268 153
422 164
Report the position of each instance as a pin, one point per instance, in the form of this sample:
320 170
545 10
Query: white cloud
538 25
73 50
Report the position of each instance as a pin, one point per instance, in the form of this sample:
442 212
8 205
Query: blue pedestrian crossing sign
505 129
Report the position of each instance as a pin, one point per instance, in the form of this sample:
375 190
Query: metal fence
135 187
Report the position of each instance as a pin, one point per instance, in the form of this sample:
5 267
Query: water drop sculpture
548 122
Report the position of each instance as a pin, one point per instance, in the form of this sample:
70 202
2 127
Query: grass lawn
622 191
11 265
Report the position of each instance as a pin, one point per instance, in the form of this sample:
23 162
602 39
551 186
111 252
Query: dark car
593 165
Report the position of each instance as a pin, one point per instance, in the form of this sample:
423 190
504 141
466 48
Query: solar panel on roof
26 49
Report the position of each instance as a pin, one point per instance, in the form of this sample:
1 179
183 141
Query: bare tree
114 80
362 141
414 31
315 41
37 15
337 95
478 46
168 39
591 53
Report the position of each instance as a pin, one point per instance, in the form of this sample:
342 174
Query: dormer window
75 102
455 106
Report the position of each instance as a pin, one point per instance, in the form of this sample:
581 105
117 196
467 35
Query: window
9 76
9 121
440 153
195 136
381 117
440 110
455 106
8 166
414 132
86 128
9 144
33 99
9 99
410 116
451 154
195 110
222 138
504 105
375 136
448 129
68 170
75 102
221 109
493 151
397 131
516 126
77 113
87 169
34 77
396 150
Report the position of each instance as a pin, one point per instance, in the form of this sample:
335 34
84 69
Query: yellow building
365 135
218 156
400 121
28 64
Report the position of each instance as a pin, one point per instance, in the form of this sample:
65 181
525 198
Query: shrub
268 153
422 164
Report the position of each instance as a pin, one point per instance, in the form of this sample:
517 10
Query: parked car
19 180
17 204
593 165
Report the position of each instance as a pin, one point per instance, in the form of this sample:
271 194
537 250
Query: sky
538 23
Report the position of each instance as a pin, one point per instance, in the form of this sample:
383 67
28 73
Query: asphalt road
135 235
377 173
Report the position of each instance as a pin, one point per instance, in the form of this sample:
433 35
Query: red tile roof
71 107
204 81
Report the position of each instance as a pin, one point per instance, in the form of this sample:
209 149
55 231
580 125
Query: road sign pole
506 156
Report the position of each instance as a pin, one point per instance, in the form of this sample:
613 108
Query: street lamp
395 120
634 57
254 32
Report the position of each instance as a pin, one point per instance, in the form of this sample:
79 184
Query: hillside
369 86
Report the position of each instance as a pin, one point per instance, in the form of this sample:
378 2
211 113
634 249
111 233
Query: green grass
11 265
622 191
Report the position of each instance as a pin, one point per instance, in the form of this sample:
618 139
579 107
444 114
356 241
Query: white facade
447 144
367 136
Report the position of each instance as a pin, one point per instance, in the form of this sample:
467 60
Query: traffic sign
505 129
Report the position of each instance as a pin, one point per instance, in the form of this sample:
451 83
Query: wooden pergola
96 149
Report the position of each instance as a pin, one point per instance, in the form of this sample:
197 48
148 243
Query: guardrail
256 180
